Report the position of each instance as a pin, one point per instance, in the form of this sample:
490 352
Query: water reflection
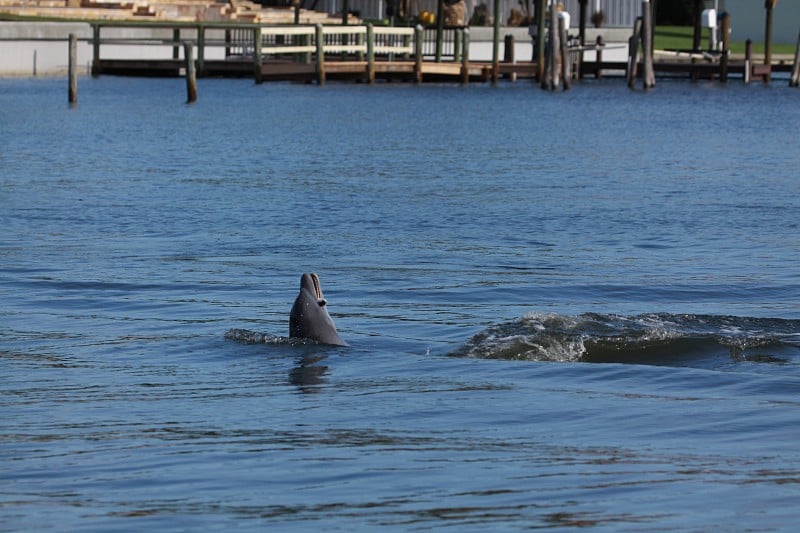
309 373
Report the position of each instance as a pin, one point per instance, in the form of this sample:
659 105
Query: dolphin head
309 318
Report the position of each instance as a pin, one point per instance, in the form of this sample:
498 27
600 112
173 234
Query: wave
661 339
245 336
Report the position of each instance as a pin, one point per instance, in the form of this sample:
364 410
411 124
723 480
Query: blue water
564 309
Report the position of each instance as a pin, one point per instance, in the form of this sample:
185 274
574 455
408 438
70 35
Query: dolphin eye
322 302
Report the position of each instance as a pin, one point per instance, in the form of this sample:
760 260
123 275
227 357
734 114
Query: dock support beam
73 67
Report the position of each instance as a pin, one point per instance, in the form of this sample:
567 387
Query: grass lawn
680 38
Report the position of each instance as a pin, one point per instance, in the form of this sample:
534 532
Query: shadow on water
701 341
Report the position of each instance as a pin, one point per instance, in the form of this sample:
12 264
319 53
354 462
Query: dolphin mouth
318 291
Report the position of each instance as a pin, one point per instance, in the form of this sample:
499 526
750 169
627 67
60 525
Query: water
564 309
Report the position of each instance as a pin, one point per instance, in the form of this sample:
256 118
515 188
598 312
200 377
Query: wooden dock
318 53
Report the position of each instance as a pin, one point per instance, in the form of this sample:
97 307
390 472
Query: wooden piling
725 29
258 59
582 21
496 42
439 29
648 74
73 67
794 81
566 66
201 50
508 55
552 71
540 40
598 60
176 40
95 50
465 56
191 73
418 35
370 54
697 14
748 60
633 53
769 5
320 55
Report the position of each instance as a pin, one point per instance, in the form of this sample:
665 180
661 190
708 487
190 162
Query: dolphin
309 318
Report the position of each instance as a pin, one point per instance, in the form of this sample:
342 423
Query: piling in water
769 5
191 75
73 67
465 57
725 29
794 81
647 46
258 74
566 73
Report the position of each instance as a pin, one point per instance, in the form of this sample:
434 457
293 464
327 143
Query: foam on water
663 339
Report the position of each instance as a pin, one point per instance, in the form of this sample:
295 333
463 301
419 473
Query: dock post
95 50
697 14
633 53
748 60
370 54
258 60
191 73
201 49
769 5
418 53
508 55
176 47
465 57
794 81
73 65
496 42
439 29
320 55
553 72
540 41
725 29
648 75
598 57
566 67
